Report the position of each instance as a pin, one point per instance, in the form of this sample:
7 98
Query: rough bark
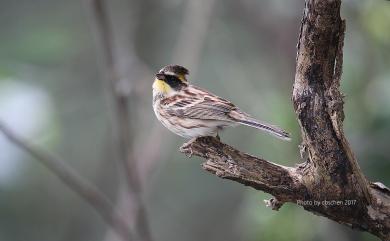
329 182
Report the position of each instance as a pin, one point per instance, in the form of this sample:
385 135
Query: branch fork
329 182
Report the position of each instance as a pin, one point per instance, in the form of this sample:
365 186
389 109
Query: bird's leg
186 147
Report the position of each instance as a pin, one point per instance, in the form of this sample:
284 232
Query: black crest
176 69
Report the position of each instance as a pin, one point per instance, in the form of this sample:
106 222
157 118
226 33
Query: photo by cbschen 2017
115 120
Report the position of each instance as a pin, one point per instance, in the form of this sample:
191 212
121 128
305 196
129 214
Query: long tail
274 130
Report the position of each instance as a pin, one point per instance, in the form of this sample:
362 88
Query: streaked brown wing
204 106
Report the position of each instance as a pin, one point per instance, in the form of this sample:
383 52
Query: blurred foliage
48 52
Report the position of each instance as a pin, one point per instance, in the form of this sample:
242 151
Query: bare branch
229 163
287 185
90 193
318 102
330 182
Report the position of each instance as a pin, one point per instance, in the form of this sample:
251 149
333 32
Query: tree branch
317 100
330 182
90 193
229 163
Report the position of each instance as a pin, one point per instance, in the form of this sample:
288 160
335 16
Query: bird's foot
186 147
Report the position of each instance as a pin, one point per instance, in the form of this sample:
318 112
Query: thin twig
90 193
120 92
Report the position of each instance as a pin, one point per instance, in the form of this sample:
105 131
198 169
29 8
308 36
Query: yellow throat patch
161 86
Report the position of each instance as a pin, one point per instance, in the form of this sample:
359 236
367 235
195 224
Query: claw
186 147
189 155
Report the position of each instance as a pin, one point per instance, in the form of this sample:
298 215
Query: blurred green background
53 92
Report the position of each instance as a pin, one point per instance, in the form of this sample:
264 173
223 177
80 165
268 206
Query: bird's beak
160 76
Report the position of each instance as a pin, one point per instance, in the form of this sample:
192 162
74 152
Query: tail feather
276 131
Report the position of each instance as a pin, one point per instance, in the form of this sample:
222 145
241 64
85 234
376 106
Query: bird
192 112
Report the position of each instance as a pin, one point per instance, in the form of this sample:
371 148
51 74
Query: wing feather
203 106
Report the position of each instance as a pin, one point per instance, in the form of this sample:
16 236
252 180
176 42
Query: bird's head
170 79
